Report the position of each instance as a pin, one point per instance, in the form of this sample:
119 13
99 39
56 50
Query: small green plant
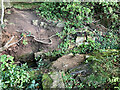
3 26
70 82
24 40
11 75
33 85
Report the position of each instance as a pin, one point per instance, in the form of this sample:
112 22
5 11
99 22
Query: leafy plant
11 75
104 67
77 17
24 40
104 72
33 85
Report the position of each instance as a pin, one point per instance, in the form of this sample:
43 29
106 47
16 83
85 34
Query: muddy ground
20 21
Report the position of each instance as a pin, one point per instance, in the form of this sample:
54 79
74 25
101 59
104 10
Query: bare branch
2 16
41 41
15 42
7 45
9 41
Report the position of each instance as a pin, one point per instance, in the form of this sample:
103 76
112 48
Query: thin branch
7 45
15 42
117 12
9 41
43 41
49 38
2 16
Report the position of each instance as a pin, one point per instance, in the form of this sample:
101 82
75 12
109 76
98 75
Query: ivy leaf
88 10
110 9
33 81
10 58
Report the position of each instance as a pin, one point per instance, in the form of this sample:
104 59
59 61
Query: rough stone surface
80 40
35 22
42 24
38 54
68 61
60 25
53 80
20 21
57 80
83 69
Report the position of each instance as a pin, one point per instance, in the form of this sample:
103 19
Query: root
7 45
2 16
49 43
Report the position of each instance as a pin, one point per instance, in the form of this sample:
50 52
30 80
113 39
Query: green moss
34 74
26 5
25 57
46 81
105 53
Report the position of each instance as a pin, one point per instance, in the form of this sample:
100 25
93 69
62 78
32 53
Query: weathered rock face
53 80
37 37
82 38
46 81
60 24
83 69
57 80
68 61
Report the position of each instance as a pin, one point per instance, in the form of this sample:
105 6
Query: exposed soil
19 22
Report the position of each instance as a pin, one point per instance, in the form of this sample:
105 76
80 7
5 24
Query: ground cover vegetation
77 17
96 20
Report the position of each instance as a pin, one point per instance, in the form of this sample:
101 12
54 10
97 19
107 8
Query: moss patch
25 5
46 81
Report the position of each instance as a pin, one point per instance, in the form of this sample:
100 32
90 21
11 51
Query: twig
102 26
9 41
49 38
43 38
117 12
96 21
7 45
43 41
2 16
15 42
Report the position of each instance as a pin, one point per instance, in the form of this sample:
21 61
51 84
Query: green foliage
36 77
25 5
11 75
33 85
86 48
108 41
78 15
47 81
104 67
108 14
68 78
104 74
25 42
3 26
